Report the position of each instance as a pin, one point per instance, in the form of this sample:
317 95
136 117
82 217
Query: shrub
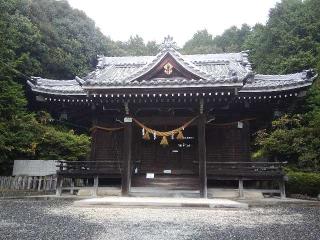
303 183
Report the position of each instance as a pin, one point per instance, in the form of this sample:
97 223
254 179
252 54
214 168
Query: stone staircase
165 186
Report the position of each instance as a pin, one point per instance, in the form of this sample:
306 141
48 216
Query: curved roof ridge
159 57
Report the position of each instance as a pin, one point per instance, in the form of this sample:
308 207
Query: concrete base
234 193
160 202
161 192
102 191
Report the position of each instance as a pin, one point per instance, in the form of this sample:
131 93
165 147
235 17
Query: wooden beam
202 155
126 170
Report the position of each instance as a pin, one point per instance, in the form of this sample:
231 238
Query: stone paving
60 219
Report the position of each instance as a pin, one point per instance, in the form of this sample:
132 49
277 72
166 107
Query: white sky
153 20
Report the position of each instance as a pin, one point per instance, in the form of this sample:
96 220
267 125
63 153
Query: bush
303 183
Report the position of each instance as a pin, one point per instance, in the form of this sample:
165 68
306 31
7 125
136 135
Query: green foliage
24 137
232 40
292 139
135 46
201 42
290 40
45 38
303 183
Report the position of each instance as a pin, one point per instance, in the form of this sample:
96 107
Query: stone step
160 202
167 182
163 192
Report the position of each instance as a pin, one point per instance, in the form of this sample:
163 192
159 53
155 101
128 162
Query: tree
289 42
233 39
201 42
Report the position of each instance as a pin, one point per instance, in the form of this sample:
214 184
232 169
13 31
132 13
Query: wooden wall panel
228 143
150 156
107 147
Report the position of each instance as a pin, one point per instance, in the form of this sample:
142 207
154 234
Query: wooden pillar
282 189
202 155
241 194
24 179
29 183
40 184
126 169
95 186
72 186
34 183
59 185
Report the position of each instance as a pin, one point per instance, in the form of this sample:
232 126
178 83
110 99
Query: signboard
34 167
240 124
127 119
150 175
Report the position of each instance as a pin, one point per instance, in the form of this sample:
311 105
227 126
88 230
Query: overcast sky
153 20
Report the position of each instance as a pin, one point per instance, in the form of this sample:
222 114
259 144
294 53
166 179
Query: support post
24 179
126 170
29 183
95 186
34 183
202 155
72 186
282 189
59 185
241 194
39 184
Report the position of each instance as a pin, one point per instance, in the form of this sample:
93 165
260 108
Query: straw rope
105 129
166 133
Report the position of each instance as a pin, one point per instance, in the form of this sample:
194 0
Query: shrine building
171 121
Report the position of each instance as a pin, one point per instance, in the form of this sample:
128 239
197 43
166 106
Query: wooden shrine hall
171 120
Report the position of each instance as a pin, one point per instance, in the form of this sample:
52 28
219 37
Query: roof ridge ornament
168 43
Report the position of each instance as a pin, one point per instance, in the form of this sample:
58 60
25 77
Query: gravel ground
28 219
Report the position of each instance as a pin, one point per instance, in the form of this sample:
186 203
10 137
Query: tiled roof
212 70
216 68
57 87
272 83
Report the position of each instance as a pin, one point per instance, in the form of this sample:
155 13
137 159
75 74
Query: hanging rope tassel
180 136
146 136
164 141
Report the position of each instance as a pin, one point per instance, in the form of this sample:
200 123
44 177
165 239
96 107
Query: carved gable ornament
168 43
168 68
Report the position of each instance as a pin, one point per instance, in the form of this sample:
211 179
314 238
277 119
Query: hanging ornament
164 141
172 135
143 132
146 136
180 136
154 135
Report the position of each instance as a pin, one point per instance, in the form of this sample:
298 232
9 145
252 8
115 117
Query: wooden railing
246 169
88 167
